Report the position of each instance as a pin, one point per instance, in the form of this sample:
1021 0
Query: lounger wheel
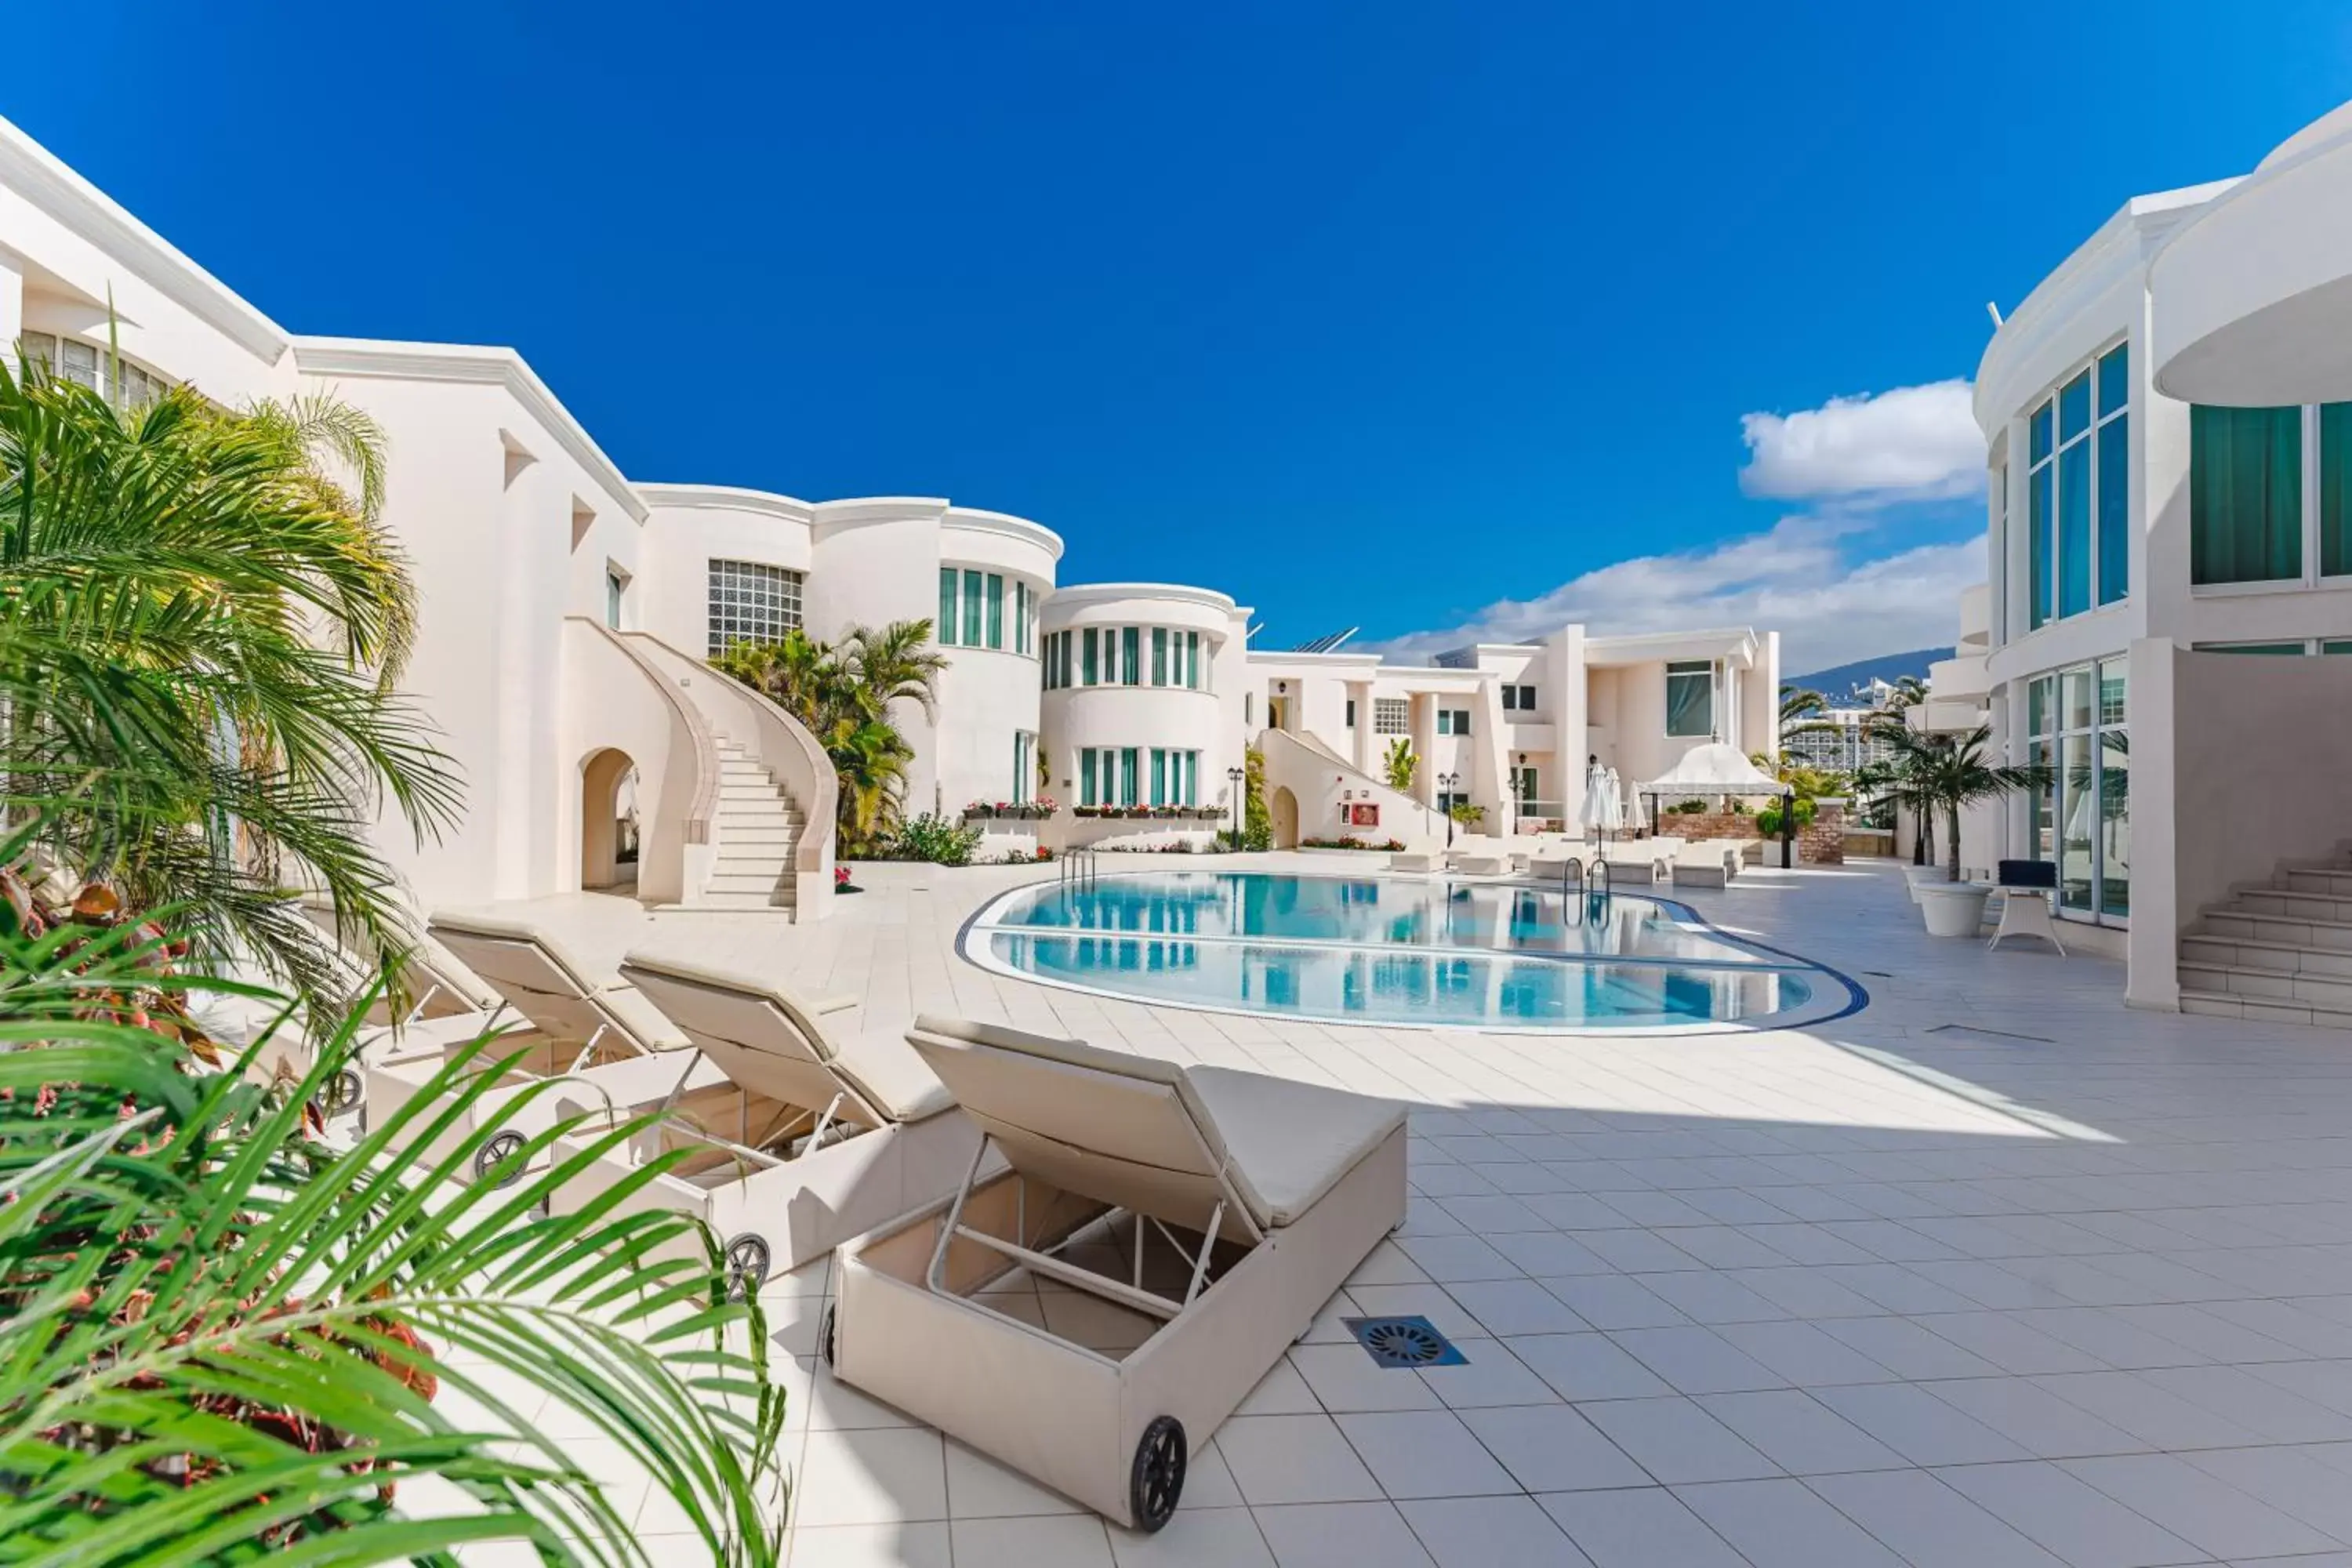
343 1093
826 1327
748 1262
1157 1480
499 1146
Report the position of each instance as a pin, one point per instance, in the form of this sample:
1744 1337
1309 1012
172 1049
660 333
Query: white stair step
2270 985
2292 930
2261 1009
723 881
2248 952
2332 881
751 864
2263 898
780 903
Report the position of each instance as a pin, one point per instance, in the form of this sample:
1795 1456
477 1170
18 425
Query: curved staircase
760 826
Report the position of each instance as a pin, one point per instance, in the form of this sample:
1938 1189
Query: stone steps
759 827
2276 951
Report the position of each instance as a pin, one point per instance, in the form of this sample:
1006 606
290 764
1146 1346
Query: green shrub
941 840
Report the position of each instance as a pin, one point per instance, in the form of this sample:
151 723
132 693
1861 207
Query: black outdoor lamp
1518 782
1787 824
1237 776
1446 784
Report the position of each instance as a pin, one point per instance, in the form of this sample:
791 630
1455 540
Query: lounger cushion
639 1018
1136 1132
1289 1142
886 1071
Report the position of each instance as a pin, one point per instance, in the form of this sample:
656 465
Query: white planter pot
1913 876
1952 908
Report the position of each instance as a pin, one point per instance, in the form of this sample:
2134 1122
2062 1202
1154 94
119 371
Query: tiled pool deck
1992 1272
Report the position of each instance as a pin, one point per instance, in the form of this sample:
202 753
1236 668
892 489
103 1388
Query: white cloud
1796 578
1910 443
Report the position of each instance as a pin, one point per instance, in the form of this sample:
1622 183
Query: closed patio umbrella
1598 800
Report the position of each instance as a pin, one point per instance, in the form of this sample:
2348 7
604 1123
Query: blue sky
1417 318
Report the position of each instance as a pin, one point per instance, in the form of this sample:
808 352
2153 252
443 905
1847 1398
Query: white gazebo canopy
1715 769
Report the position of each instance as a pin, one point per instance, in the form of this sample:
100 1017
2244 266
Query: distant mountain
1842 682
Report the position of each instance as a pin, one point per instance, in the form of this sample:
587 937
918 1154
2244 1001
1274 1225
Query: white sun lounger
583 1025
1649 857
801 1139
1244 1202
1416 861
1709 863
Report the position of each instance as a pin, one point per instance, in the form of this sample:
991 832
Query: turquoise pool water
1376 950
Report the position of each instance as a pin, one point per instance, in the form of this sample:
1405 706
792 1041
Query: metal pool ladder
1078 869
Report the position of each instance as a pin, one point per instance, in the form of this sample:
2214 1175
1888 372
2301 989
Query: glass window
2037 541
975 587
996 592
2335 488
1127 772
1086 659
2078 724
41 346
1086 796
1690 696
1392 715
946 630
2262 649
1130 655
1527 699
2075 408
2074 525
2336 648
1160 656
614 588
2115 504
751 602
1445 721
2078 494
2115 380
1350 722
1160 777
80 364
1510 698
2078 823
1193 660
2245 494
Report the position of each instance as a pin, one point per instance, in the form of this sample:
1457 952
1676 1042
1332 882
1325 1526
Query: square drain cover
1403 1342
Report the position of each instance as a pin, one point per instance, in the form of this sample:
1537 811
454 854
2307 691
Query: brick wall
1822 842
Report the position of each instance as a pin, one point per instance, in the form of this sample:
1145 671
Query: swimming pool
1381 950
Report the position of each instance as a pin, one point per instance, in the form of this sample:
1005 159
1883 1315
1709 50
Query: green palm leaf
216 1332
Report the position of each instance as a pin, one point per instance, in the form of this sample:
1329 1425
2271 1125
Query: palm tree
202 621
1937 776
1799 704
845 693
228 1341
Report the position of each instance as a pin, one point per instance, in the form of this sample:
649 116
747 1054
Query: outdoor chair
1710 863
1416 861
2026 887
799 1138
592 1027
1224 1207
1651 858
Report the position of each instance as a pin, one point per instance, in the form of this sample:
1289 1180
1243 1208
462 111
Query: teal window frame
1130 655
975 585
1160 656
1089 669
950 594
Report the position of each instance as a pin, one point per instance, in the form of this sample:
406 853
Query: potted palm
1936 777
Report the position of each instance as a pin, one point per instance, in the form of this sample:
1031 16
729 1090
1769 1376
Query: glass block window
1392 715
751 602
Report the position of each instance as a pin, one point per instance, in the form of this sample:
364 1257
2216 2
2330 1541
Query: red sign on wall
1363 813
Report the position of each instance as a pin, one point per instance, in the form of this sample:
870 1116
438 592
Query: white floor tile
980 1488
1648 1527
2201 1508
1069 1542
1341 1535
1346 1377
1917 1426
1800 1434
1195 1537
1552 1447
1481 1532
1928 1523
1676 1441
867 1546
889 1475
1293 1459
1587 1366
1780 1524
1424 1454
2081 1524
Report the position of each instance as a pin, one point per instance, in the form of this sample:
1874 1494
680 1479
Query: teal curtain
946 630
2335 488
1689 708
2115 505
2245 494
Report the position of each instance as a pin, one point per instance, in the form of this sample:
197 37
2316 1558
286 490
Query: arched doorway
608 822
1282 806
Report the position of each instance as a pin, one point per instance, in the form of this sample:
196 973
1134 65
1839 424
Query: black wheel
343 1093
826 1327
747 1261
500 1146
1157 1477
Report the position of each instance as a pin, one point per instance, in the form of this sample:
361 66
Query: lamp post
1446 782
1518 782
1237 777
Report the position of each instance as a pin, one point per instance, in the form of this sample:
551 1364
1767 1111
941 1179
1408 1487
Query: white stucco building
567 610
2169 422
